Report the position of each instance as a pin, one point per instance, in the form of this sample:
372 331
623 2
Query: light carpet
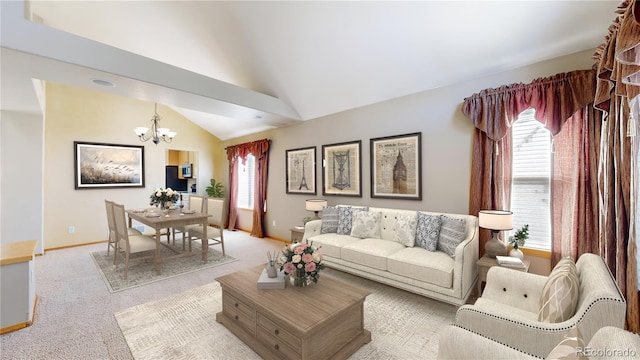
403 325
142 272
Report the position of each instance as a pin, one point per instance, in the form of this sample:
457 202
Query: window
246 174
530 188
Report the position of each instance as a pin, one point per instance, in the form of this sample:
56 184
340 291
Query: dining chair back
215 233
129 244
113 236
196 203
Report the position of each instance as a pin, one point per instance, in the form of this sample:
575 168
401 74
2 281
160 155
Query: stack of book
267 283
511 262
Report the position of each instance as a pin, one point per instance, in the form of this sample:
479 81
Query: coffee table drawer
278 333
240 313
276 344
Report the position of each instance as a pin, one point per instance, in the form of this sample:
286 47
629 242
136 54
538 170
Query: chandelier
155 133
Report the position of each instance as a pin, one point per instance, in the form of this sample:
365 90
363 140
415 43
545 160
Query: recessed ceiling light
103 82
258 116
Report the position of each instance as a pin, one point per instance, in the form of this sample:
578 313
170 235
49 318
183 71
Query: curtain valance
257 148
555 99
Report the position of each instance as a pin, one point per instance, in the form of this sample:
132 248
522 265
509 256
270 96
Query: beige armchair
508 310
608 342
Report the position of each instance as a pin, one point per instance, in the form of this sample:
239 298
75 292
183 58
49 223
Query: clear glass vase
299 278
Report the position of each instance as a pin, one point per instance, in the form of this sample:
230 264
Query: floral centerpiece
164 197
302 262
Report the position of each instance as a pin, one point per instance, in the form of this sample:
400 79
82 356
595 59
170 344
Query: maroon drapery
493 111
618 87
259 149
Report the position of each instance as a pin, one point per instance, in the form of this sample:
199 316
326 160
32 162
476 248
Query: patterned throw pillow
329 220
452 233
567 349
428 231
345 218
404 231
559 296
366 224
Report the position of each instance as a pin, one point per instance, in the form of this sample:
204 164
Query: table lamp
315 205
496 221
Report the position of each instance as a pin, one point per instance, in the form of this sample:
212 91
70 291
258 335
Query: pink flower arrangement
302 262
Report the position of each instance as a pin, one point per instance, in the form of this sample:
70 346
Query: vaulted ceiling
237 67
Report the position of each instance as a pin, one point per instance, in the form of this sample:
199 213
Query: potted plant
518 240
215 189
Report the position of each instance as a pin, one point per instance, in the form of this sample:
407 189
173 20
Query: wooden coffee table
320 321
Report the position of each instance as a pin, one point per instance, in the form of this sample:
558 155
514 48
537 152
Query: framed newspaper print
342 168
301 171
396 167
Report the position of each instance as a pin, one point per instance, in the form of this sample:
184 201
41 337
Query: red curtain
618 87
259 149
493 111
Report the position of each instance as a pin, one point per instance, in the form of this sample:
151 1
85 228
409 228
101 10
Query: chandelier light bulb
156 134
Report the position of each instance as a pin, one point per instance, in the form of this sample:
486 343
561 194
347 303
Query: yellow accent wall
75 114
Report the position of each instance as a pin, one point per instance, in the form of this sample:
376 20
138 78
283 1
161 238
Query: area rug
142 272
403 325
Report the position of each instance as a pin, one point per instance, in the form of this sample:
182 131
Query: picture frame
102 165
396 167
301 171
342 169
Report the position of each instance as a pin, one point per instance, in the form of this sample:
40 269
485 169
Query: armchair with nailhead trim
508 310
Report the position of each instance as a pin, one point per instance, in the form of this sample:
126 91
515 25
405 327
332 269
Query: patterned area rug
183 326
143 272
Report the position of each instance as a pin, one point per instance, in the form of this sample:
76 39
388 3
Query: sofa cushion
329 220
331 244
452 233
370 252
345 218
405 229
568 348
420 264
428 231
560 293
366 224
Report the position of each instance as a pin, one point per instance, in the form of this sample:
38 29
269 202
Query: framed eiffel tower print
301 171
396 168
341 169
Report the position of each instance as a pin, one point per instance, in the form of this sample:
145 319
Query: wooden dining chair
196 203
111 242
129 244
215 233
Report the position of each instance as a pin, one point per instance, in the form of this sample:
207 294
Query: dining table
170 219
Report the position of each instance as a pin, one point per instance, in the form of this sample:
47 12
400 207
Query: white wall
21 187
446 144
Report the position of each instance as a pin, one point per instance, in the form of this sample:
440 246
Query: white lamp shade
315 204
140 130
495 219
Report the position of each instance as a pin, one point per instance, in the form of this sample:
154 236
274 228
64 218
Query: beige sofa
432 274
508 310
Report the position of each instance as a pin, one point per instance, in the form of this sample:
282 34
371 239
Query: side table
485 263
296 234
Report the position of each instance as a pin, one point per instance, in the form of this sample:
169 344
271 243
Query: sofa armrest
515 288
312 228
458 343
465 271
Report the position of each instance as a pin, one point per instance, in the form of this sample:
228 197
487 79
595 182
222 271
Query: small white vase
516 253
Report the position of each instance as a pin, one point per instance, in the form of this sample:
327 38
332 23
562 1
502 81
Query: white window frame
246 177
531 175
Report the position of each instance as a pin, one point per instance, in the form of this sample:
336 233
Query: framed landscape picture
301 171
342 168
396 167
108 165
